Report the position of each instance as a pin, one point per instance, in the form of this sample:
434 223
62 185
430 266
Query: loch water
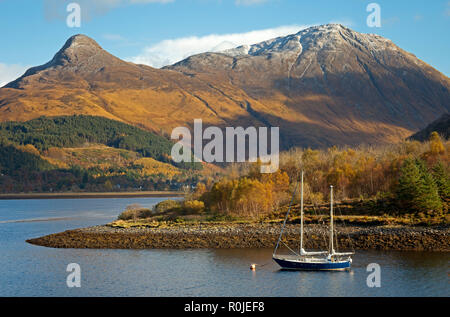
29 270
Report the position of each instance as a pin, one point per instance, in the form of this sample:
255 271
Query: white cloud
9 72
171 51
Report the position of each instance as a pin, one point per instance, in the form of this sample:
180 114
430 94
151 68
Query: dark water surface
28 270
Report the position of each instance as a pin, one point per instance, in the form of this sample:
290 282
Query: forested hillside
87 153
73 131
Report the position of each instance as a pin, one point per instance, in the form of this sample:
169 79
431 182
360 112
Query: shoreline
136 194
232 235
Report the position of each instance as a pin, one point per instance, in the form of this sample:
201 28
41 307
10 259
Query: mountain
329 84
441 126
82 78
326 85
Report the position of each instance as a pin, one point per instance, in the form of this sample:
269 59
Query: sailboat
307 260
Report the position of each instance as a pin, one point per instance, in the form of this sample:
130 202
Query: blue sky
157 32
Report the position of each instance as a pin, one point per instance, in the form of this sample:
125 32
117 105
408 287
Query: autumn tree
436 146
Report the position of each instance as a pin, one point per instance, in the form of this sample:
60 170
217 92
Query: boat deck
314 264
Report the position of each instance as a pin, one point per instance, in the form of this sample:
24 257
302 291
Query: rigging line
290 248
287 215
335 235
335 231
323 223
345 229
300 241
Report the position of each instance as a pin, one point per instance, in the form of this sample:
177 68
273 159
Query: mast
331 221
285 219
301 218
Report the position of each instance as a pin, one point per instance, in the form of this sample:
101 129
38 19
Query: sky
162 32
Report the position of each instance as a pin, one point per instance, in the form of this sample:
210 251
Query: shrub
134 212
166 205
244 197
193 207
29 148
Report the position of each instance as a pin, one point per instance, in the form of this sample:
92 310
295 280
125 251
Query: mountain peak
328 36
81 38
325 27
76 49
80 54
80 42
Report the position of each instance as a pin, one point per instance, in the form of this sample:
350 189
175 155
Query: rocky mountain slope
325 85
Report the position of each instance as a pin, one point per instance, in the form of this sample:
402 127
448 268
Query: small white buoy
253 267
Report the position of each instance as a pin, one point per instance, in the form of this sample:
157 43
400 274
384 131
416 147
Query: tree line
411 177
74 131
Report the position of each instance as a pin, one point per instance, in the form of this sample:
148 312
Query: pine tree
442 179
416 189
428 199
408 185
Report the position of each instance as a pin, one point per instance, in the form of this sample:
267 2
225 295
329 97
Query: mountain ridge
441 126
325 85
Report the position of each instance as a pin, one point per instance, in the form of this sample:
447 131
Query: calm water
27 270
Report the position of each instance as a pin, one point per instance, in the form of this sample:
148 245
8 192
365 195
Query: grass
172 213
93 155
133 214
163 220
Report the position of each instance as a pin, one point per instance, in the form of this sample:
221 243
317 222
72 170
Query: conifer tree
408 185
442 179
416 189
